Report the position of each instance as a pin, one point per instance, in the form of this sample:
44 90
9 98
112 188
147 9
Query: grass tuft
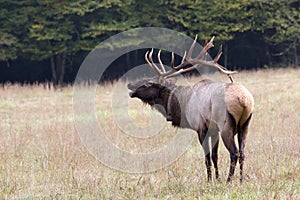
41 155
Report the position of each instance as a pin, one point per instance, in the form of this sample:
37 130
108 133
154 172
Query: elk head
152 93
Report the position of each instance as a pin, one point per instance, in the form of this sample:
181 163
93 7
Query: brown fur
239 102
207 107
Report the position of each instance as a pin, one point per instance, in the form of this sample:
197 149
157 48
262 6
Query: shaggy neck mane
173 108
170 101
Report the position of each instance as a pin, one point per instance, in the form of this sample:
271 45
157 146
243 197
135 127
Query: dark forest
46 41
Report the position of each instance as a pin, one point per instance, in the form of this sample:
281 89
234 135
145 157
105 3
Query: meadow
42 156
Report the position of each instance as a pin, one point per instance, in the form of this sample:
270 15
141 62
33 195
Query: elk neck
168 109
173 100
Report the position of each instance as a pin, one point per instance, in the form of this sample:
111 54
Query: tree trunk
53 70
268 55
295 53
225 55
58 63
62 66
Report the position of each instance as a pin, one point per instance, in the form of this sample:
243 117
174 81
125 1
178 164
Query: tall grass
41 155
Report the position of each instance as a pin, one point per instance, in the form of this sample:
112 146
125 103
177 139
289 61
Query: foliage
54 30
278 20
9 18
207 18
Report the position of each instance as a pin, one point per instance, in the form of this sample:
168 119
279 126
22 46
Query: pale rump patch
239 102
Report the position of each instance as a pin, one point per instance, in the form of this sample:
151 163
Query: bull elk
207 107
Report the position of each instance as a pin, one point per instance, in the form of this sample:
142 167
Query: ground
42 156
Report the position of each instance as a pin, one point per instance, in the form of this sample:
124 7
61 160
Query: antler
188 60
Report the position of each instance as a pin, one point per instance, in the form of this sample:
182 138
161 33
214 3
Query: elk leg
231 147
241 155
228 139
215 145
205 145
241 140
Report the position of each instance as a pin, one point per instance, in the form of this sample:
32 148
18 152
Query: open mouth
131 94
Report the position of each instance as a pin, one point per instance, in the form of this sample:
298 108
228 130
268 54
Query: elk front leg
215 145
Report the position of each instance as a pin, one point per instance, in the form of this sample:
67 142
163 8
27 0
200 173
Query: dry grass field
42 157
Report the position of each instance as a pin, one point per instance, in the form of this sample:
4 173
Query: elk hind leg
242 134
227 135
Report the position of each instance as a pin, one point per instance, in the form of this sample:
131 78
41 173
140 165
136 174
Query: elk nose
130 86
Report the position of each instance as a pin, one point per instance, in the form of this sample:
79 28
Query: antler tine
190 52
147 60
183 58
210 44
212 39
154 67
153 64
160 62
150 56
206 47
172 60
150 62
216 59
183 63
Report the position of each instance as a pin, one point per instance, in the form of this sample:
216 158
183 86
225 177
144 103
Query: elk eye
148 84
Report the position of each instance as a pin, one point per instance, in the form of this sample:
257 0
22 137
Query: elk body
210 108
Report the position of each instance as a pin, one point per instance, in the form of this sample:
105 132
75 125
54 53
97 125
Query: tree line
47 40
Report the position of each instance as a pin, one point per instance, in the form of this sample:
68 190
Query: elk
211 108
